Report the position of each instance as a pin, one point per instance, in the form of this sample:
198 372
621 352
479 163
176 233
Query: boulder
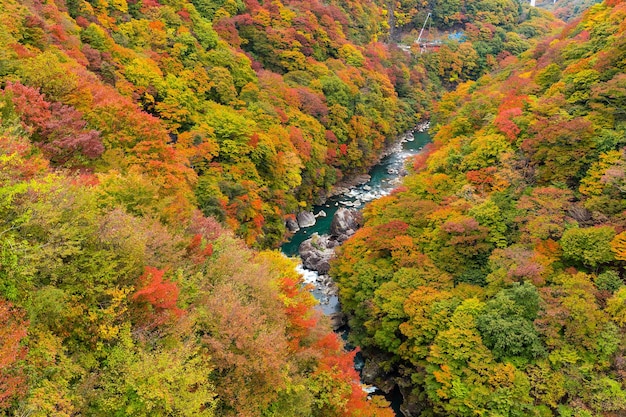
371 371
321 213
412 405
292 225
306 219
337 320
345 223
374 373
332 288
316 253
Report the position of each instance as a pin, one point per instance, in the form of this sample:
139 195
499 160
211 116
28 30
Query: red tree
13 328
158 295
58 129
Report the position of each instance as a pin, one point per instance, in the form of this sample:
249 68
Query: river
385 176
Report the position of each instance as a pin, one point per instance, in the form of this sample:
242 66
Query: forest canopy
146 146
491 282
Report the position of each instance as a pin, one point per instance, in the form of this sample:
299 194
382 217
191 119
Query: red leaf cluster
12 330
161 297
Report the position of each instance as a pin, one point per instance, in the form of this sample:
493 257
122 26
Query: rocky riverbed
395 150
317 251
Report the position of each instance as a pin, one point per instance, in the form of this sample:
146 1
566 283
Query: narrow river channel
385 176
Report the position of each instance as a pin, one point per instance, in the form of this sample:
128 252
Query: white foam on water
308 276
370 389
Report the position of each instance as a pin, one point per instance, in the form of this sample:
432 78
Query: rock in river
306 219
321 213
345 223
292 225
337 320
316 253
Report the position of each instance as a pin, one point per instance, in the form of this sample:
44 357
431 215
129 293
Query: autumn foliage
492 281
13 381
145 146
158 295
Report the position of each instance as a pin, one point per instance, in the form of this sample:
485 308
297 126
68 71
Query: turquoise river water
385 178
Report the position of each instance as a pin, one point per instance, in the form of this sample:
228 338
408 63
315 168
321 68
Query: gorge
154 155
315 244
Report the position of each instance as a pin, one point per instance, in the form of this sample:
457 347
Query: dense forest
152 150
491 282
566 9
248 111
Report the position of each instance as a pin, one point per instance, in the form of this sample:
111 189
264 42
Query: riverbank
381 180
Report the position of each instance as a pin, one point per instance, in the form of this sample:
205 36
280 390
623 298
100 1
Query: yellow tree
618 245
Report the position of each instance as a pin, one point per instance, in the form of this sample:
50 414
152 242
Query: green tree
506 324
588 246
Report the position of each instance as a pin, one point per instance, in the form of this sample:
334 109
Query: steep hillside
109 313
491 282
120 124
248 110
567 9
